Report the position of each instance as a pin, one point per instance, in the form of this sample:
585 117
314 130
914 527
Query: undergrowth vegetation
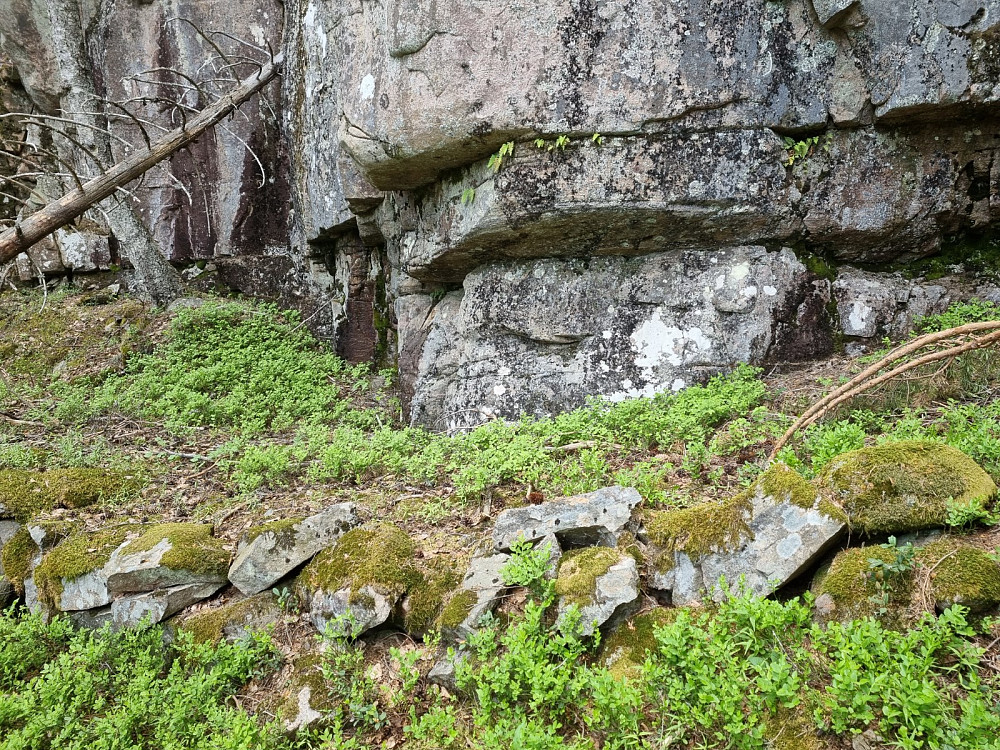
746 673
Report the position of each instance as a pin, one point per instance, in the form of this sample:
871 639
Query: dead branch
59 213
867 379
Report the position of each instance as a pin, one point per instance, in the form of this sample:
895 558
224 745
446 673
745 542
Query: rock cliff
690 183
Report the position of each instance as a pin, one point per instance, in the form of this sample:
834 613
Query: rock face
594 518
276 550
765 538
587 266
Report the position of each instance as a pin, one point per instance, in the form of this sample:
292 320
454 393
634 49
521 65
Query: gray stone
615 595
130 610
444 670
483 579
91 619
596 517
555 553
271 556
873 306
784 539
89 591
364 609
305 714
130 572
541 336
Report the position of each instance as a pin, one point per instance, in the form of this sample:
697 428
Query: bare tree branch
28 231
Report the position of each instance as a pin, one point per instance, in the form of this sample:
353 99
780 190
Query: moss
209 625
903 486
792 729
380 556
785 484
282 529
78 555
700 530
818 266
624 651
854 590
307 671
426 597
579 569
24 494
16 558
961 574
458 607
192 547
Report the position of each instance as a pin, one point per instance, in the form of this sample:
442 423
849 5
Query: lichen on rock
903 486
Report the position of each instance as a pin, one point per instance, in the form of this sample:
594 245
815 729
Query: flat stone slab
273 554
784 539
596 518
129 611
89 591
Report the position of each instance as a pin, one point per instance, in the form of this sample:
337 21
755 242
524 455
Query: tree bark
156 278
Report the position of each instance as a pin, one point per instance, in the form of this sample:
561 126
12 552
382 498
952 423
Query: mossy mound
79 554
307 672
252 613
24 494
192 547
579 569
424 600
381 556
856 589
624 651
700 530
903 486
961 574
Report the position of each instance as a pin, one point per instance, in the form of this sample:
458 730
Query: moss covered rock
764 537
479 593
851 589
71 577
234 620
424 600
903 486
363 576
18 557
8 529
961 574
601 582
24 494
165 555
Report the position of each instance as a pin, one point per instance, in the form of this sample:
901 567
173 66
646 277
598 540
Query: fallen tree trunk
51 217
